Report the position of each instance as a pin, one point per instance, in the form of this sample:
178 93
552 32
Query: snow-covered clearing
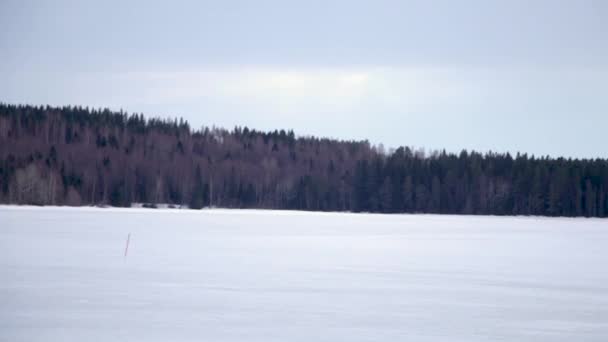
243 275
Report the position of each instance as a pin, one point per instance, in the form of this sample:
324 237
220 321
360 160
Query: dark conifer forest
79 156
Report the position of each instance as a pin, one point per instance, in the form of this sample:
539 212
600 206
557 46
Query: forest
79 156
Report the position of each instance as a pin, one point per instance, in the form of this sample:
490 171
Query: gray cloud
501 75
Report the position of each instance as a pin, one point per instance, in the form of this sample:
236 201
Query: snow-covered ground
240 275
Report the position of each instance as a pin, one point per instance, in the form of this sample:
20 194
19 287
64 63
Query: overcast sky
528 76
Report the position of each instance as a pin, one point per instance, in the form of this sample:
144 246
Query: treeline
81 156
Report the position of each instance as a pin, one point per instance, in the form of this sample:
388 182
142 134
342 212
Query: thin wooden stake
127 246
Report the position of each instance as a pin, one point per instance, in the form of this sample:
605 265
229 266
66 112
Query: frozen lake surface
241 275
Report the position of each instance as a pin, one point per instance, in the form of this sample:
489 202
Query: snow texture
244 275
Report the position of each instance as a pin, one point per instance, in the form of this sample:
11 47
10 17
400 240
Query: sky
504 76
